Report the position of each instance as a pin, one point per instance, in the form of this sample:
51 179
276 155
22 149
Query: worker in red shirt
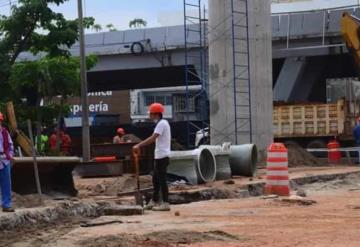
53 141
120 132
65 143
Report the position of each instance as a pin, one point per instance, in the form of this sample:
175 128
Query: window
165 100
160 99
180 104
168 100
149 99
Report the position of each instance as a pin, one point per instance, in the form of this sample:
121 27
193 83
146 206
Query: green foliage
137 22
33 26
111 27
97 27
48 77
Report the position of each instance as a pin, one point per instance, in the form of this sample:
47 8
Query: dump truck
312 125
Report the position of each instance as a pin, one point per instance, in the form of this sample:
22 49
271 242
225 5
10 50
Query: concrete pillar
222 112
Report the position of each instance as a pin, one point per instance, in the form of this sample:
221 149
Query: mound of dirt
300 157
111 186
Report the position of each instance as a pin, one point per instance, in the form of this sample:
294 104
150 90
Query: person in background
6 155
42 142
53 141
356 134
65 143
162 139
120 132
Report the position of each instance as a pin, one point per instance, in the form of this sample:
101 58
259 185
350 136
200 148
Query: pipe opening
206 166
243 159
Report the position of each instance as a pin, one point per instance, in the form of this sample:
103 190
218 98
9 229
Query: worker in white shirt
162 139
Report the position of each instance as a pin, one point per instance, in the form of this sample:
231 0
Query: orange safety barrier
105 159
277 172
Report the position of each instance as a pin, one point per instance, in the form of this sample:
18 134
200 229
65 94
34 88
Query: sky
156 12
120 12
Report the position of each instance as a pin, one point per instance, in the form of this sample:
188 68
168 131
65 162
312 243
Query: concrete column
222 119
221 93
261 72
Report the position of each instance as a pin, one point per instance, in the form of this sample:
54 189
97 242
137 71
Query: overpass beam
290 74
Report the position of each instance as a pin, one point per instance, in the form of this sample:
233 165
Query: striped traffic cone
277 173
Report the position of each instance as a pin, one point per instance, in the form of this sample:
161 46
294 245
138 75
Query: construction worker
120 132
42 142
6 155
53 142
356 134
162 139
65 143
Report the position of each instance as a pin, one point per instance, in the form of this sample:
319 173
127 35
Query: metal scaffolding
196 65
241 69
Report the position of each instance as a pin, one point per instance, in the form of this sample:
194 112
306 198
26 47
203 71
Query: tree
97 27
50 80
111 27
33 26
137 23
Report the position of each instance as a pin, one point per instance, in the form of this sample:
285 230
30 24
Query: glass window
181 106
160 99
168 100
149 99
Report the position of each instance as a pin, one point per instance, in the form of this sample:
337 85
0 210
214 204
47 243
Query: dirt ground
332 221
110 186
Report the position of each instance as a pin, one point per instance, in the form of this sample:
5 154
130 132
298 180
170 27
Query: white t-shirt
163 142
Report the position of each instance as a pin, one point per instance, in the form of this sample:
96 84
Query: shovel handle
137 168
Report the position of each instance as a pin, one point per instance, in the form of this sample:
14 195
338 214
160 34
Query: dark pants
159 180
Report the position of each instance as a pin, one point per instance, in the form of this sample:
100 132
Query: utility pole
84 89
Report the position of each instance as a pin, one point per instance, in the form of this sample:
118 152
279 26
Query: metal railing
320 24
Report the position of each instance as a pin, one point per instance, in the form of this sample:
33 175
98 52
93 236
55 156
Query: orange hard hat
156 108
120 131
2 117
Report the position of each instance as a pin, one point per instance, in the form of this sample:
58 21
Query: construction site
260 98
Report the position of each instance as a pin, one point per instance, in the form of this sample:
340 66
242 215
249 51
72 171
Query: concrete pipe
197 166
243 159
221 153
206 165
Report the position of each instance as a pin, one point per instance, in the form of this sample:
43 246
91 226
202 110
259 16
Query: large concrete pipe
243 159
221 153
197 166
206 165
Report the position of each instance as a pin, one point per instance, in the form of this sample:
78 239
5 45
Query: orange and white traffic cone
277 172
